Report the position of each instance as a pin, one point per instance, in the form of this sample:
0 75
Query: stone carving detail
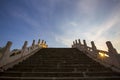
10 58
109 58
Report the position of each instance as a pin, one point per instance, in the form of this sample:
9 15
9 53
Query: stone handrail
10 58
109 58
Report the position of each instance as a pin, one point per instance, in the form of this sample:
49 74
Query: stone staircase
59 64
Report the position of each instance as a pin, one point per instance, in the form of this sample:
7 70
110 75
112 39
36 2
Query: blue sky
59 22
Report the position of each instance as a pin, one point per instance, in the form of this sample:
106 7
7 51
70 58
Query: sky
60 22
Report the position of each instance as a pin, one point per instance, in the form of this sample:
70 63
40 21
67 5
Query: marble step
59 78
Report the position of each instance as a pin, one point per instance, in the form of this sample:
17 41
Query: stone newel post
111 48
113 54
33 44
42 41
24 48
73 44
7 49
85 45
79 41
39 41
45 42
25 45
6 53
75 41
93 46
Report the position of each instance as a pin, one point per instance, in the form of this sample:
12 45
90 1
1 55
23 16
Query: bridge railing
109 58
10 58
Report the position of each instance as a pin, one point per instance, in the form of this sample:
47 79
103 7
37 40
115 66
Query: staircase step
103 74
41 74
59 78
59 64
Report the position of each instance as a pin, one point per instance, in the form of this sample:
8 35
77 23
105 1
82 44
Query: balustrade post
45 42
25 45
111 48
6 54
93 46
24 48
113 54
75 41
33 44
7 48
85 45
73 44
79 41
94 49
42 41
39 41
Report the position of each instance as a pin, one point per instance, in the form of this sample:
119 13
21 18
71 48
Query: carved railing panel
109 58
10 58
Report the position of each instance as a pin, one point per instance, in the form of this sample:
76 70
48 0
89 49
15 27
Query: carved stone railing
10 58
109 58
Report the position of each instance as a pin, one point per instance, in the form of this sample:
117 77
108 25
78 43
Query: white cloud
73 24
73 29
63 40
88 7
104 27
99 33
92 33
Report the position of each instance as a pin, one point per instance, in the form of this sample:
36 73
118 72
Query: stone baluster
94 49
93 46
85 45
42 41
45 42
111 48
113 54
7 47
39 41
24 48
73 43
33 44
25 45
6 54
79 41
